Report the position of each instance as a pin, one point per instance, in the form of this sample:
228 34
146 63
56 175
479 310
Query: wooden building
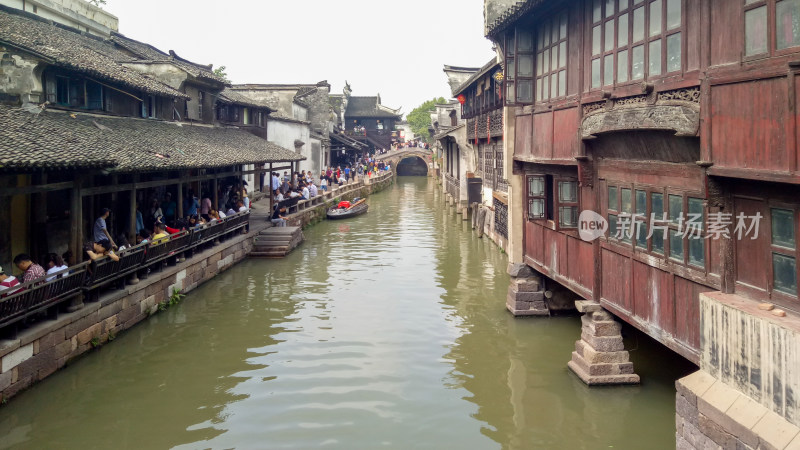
86 123
656 107
482 109
658 113
367 120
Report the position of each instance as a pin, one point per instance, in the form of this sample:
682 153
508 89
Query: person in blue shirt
139 220
191 204
168 207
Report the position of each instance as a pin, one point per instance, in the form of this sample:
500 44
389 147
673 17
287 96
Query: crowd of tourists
155 223
288 190
410 144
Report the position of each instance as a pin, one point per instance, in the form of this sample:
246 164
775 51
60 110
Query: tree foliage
420 118
220 72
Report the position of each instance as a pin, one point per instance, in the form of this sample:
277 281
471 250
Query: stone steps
276 242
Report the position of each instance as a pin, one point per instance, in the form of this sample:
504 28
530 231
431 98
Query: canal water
384 331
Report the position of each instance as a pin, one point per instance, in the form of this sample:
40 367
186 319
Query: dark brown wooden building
88 123
367 120
652 112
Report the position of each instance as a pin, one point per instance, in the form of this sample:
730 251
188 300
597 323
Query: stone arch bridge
394 157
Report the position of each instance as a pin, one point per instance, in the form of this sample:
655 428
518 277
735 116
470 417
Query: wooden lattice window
567 202
551 59
635 39
771 26
537 197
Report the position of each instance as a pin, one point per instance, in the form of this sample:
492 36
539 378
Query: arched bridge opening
408 161
412 166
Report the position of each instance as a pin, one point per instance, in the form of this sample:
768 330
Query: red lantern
461 99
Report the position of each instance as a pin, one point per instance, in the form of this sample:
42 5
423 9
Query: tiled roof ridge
483 71
281 117
61 140
62 46
509 15
124 42
154 54
461 68
208 67
45 21
243 86
307 92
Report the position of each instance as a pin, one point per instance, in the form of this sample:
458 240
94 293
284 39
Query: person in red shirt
8 283
30 270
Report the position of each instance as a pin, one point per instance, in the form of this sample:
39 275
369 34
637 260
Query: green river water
384 331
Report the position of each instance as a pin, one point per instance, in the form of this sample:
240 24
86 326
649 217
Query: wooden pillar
76 220
38 206
180 197
89 182
76 233
269 181
112 222
132 206
215 187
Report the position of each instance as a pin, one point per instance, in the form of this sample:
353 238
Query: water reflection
384 331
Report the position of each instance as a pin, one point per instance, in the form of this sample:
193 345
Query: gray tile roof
54 140
367 107
512 14
345 140
230 96
148 53
83 53
488 67
30 141
446 131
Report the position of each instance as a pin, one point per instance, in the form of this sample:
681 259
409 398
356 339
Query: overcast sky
395 48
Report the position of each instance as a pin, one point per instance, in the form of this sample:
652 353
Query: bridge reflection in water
389 332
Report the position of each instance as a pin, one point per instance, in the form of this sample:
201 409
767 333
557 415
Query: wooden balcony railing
37 295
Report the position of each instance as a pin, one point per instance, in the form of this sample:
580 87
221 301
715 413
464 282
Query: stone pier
525 294
600 356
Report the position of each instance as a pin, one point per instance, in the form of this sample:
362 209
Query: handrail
105 269
31 297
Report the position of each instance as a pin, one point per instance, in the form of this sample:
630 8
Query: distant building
370 122
78 14
296 105
404 132
456 75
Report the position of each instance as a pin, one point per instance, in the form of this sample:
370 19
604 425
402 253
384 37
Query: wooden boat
343 210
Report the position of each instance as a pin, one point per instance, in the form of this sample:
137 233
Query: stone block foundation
525 294
600 356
